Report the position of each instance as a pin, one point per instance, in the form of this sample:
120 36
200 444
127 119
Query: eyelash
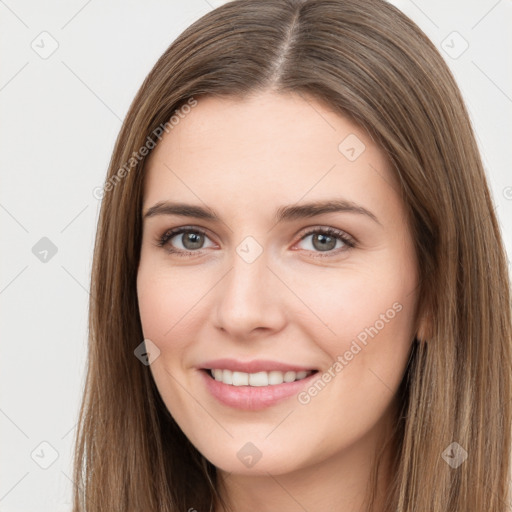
335 233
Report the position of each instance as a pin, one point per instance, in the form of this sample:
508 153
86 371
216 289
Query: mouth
254 391
258 379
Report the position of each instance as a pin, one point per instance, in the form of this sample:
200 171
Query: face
275 252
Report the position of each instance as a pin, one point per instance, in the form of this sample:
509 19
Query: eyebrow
284 213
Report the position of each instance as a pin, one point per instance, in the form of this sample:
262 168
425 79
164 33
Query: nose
250 299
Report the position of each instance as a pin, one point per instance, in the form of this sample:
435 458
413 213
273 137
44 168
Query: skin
244 159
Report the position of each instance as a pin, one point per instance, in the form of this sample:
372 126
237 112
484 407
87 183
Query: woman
300 296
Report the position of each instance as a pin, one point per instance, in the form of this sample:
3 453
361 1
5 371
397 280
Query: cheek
369 312
166 306
166 303
372 318
345 302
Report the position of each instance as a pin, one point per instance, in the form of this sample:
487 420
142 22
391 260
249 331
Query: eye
326 240
190 239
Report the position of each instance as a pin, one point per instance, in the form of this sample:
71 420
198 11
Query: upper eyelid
184 229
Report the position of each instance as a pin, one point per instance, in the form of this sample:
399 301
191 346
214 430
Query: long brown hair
369 62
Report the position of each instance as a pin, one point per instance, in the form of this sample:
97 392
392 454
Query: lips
259 395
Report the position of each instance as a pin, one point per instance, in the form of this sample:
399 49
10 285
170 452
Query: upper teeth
257 379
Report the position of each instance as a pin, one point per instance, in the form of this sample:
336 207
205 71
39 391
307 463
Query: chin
248 459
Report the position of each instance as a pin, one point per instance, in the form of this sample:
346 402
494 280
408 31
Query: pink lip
257 365
253 398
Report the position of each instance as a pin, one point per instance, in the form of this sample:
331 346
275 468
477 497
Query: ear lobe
424 331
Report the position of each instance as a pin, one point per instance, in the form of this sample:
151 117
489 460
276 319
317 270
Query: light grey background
60 114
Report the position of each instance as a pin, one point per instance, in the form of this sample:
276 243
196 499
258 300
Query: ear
424 331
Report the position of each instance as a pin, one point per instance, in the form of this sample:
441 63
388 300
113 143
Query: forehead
284 122
269 145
